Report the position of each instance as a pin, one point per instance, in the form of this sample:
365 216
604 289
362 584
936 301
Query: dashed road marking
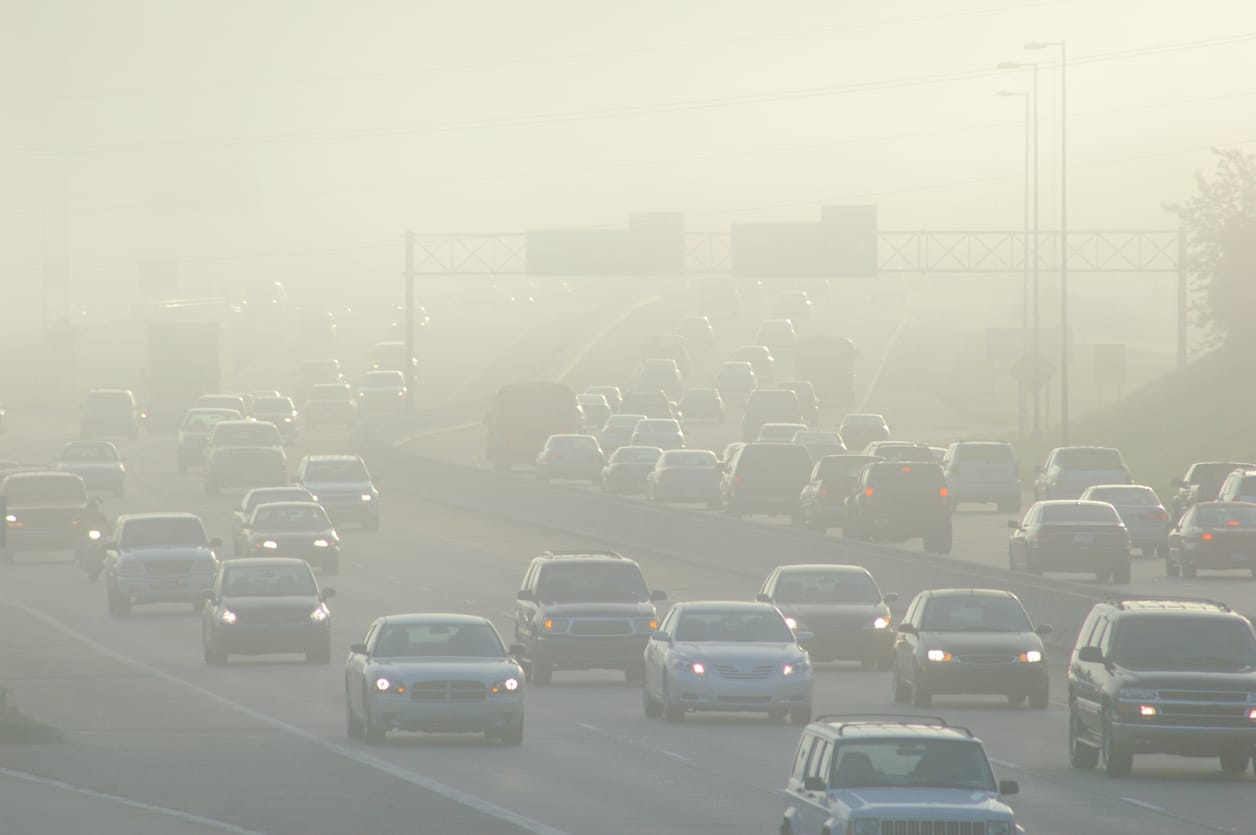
1133 801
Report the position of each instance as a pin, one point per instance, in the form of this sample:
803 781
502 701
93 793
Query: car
98 463
110 413
584 610
760 359
442 673
660 375
778 335
1239 486
729 453
702 404
613 395
685 475
652 404
769 406
819 442
627 468
664 433
1068 471
1202 483
985 472
1162 676
893 501
280 411
1071 535
343 486
859 430
766 478
1213 535
523 415
969 641
194 431
822 503
1141 512
242 433
422 321
794 304
596 410
293 529
808 403
668 346
265 606
158 558
618 431
697 332
42 510
244 466
841 606
901 451
330 403
231 402
571 457
885 775
727 656
939 453
317 372
735 381
316 327
780 433
382 393
260 495
391 356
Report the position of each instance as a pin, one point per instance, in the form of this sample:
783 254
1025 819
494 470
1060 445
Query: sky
286 138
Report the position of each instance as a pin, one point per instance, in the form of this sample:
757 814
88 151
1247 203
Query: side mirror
1007 787
658 596
1090 655
216 542
661 636
814 784
525 594
906 629
328 593
516 650
1044 629
803 637
890 597
357 649
763 597
1013 524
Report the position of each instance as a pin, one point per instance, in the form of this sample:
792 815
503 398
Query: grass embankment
16 727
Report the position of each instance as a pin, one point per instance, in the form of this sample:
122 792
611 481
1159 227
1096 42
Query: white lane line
676 756
588 727
1006 764
1133 801
362 758
186 817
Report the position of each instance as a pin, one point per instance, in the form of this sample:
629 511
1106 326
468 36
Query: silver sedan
437 673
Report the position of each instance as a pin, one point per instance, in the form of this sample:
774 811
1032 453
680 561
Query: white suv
868 776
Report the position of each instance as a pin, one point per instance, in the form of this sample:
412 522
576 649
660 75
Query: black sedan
266 606
960 641
823 500
1065 535
1213 535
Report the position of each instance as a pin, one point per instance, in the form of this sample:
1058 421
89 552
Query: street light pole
409 314
1025 259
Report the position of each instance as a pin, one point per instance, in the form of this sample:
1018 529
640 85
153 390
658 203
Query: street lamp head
1037 45
1009 65
1011 93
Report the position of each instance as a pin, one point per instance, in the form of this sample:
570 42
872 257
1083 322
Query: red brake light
1234 523
906 469
867 491
822 491
943 492
1207 537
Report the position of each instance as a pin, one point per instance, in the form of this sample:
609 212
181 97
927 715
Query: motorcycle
90 554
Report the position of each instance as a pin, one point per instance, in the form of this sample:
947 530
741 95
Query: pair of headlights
319 615
1032 656
504 687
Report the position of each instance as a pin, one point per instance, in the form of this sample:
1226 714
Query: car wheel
1235 760
373 733
1171 569
671 712
1121 571
1039 699
353 725
542 671
652 707
1080 755
901 692
802 716
513 735
1118 761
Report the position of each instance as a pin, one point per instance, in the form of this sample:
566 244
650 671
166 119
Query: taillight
736 479
943 492
1233 523
1158 516
867 491
1206 537
822 492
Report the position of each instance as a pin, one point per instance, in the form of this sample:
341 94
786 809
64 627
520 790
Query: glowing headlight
319 615
791 623
93 535
270 545
10 518
699 669
866 826
1033 656
880 623
382 684
321 543
287 420
227 616
554 624
366 497
510 685
1147 710
938 655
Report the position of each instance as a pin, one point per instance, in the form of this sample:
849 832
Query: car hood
338 486
490 669
166 552
1240 678
745 652
276 603
934 803
90 466
981 642
612 609
291 536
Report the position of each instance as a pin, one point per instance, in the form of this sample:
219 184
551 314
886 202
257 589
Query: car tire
513 735
1171 569
1235 760
353 725
1148 551
1118 761
373 734
802 716
118 606
1121 571
651 707
1080 755
542 671
671 713
900 691
1039 699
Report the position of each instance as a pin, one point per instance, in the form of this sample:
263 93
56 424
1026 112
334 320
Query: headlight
698 668
382 684
646 625
792 623
366 497
93 535
227 616
10 518
1033 656
880 623
319 615
1137 694
287 420
796 667
510 685
867 826
554 624
270 545
938 655
999 828
321 543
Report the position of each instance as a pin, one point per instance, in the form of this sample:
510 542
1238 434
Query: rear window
624 421
384 379
89 452
273 406
1247 486
1213 473
905 452
206 420
45 488
294 494
635 455
658 425
1089 458
689 458
774 460
245 434
907 477
151 533
818 438
572 442
864 421
1133 495
984 454
1221 517
234 454
1080 513
349 470
332 391
839 466
109 400
290 517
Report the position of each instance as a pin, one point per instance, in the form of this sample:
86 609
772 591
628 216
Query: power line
609 113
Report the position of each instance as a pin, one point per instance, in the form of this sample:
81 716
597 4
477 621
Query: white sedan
97 463
436 673
727 656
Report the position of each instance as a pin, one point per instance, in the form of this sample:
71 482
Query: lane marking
1006 764
676 756
458 796
1133 801
186 817
588 727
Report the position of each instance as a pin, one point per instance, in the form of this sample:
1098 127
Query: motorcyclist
89 552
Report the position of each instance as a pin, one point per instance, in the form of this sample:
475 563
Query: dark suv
585 610
766 478
895 501
1162 676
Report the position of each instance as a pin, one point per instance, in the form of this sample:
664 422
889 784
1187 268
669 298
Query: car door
797 798
816 801
1173 556
525 610
1042 484
656 655
1019 542
112 556
1089 677
355 672
904 643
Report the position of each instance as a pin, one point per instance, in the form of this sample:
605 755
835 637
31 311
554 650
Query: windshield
272 494
1231 516
151 533
745 626
590 582
1132 495
109 400
975 613
826 587
1080 513
937 763
864 421
636 455
442 640
689 458
331 471
273 406
206 420
89 452
1088 458
1184 642
244 580
984 454
290 517
246 434
45 488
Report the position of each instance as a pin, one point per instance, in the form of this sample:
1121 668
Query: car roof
587 556
243 422
41 473
211 410
725 605
110 391
126 517
971 593
832 568
417 618
1071 503
1152 604
265 561
1224 504
331 456
894 727
1084 446
288 504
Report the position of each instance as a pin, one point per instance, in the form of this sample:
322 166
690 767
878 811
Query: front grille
601 627
168 567
45 519
925 827
1203 696
1204 715
448 691
986 658
732 671
745 700
276 618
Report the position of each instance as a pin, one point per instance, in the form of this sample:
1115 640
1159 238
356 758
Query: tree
1220 225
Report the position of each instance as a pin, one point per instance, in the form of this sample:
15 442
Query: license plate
1239 558
1083 539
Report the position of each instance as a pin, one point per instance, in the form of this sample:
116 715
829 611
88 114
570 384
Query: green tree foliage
1220 224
